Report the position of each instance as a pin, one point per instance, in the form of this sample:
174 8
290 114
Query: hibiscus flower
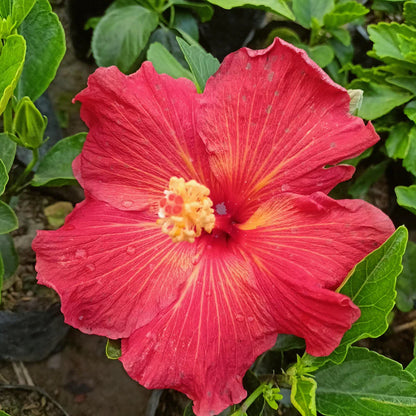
206 230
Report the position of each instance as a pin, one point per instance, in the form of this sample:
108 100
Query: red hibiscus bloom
206 228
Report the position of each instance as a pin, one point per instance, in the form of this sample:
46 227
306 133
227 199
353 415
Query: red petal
114 270
273 120
208 339
141 133
302 246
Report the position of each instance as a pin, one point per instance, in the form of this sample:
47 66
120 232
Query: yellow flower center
185 210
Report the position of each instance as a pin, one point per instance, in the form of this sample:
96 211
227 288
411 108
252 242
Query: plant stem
16 187
249 401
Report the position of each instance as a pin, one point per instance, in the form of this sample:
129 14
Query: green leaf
305 10
406 197
274 6
202 64
5 8
342 35
371 286
165 63
411 368
9 255
55 169
397 144
8 219
3 413
363 183
186 22
7 151
406 282
302 395
388 39
365 384
410 110
409 13
344 13
408 82
286 342
12 59
122 35
188 410
113 349
45 49
409 162
4 177
204 11
379 99
1 278
321 54
21 9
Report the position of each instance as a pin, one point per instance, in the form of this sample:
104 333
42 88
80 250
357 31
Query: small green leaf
12 59
113 349
406 197
344 13
274 6
321 54
409 162
397 144
305 10
409 13
7 150
8 219
342 35
302 395
45 39
55 169
406 282
122 35
379 99
9 255
202 64
3 413
165 63
365 384
363 183
21 9
371 286
204 11
387 41
4 177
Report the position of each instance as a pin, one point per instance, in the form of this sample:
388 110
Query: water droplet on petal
130 250
239 317
81 317
250 319
81 254
91 267
127 204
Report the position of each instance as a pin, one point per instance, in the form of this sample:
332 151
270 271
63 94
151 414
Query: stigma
186 210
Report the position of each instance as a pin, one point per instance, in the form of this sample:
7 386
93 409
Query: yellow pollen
185 210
